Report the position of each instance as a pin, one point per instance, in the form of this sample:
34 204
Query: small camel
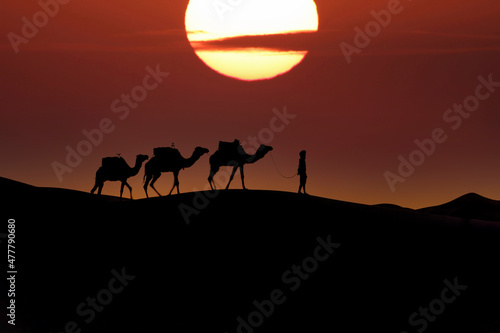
237 160
154 168
120 172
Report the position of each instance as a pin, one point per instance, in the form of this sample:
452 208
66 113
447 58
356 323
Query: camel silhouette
173 163
237 159
117 170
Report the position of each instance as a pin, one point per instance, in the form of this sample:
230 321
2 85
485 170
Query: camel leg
176 183
213 171
129 188
94 188
155 178
121 190
173 186
146 183
232 176
242 177
98 182
99 190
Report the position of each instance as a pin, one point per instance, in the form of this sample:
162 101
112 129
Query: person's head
302 154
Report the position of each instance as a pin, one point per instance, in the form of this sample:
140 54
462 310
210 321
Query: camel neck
191 160
136 168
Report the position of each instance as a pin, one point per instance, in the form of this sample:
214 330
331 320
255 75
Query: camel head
200 151
260 153
141 158
263 149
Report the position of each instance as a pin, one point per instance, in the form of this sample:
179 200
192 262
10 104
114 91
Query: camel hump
114 162
166 153
229 147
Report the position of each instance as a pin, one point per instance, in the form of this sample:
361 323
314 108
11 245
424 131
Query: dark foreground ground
250 261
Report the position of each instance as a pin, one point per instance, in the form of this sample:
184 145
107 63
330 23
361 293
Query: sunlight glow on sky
354 119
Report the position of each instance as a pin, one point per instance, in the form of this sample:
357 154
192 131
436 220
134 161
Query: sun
250 39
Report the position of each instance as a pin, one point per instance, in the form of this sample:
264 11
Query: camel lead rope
276 167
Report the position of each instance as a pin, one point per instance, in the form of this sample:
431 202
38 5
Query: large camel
237 159
119 170
174 163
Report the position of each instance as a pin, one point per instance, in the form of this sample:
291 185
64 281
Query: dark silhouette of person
302 171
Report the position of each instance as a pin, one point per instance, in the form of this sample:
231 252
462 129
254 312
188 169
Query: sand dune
250 261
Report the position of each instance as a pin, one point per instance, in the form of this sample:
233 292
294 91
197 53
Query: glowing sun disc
228 20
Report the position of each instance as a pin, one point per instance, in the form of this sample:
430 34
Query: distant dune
250 261
13 191
469 206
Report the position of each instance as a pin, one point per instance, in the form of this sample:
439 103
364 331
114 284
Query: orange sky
354 119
